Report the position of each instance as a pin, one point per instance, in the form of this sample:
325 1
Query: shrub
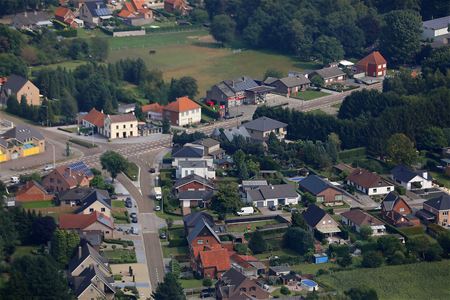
284 290
241 249
372 259
298 240
207 282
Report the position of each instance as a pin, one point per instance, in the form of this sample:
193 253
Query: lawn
23 250
174 251
118 203
309 268
120 256
309 95
428 280
191 283
195 54
132 171
69 65
441 178
251 226
120 217
38 204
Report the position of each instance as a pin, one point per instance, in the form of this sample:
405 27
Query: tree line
326 29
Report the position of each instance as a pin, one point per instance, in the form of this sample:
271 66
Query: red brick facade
329 195
193 186
400 215
32 192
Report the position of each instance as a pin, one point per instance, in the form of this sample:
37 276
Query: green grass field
119 256
252 226
118 203
191 283
37 204
415 281
310 95
173 251
195 54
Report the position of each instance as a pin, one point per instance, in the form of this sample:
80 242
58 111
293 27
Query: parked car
48 167
152 170
134 220
133 215
162 235
15 179
273 208
128 203
245 211
157 208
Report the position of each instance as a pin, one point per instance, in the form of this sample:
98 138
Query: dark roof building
439 203
315 184
187 151
22 134
264 124
235 285
191 220
31 19
200 226
191 178
313 214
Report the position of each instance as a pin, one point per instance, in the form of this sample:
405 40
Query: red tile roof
81 221
95 117
125 14
373 58
122 118
72 178
61 12
218 259
154 107
366 179
182 104
361 218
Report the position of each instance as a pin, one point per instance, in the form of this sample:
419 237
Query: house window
91 209
117 126
339 197
320 198
388 188
124 126
445 213
402 209
200 242
324 222
374 190
102 209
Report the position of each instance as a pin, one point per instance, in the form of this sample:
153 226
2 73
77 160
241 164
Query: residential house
193 182
369 183
324 191
211 147
208 257
195 198
317 219
235 92
93 13
198 167
32 191
183 112
94 221
373 65
153 111
235 285
248 265
94 119
231 133
31 20
68 177
280 270
19 87
19 142
85 257
411 179
66 16
190 152
330 75
440 208
177 6
136 13
273 195
290 85
248 185
397 212
357 218
191 220
261 128
121 126
436 28
96 200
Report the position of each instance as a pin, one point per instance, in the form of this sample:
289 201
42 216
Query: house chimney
79 251
98 5
425 174
272 187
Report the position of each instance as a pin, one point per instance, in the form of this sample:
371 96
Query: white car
48 167
157 208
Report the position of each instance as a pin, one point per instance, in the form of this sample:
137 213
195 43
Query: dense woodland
415 106
326 29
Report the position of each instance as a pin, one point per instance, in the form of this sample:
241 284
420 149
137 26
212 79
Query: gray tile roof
313 214
193 164
404 174
192 177
270 80
293 81
86 278
192 219
236 131
198 228
264 124
86 250
314 184
389 201
14 83
255 182
240 84
195 195
330 72
23 133
440 203
207 142
92 197
31 18
437 23
273 192
187 151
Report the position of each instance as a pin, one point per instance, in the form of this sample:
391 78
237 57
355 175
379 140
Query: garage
260 204
270 203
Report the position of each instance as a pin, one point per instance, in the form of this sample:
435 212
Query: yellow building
21 141
121 126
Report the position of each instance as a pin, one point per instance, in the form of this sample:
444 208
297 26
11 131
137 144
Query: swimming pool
309 283
28 146
296 179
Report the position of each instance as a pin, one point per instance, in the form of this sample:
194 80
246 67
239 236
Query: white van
245 211
15 179
158 193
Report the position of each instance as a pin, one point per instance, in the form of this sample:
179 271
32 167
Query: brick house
208 257
290 85
323 190
19 87
440 208
235 285
397 212
193 182
136 13
191 220
94 221
33 191
183 112
261 128
66 16
317 219
373 65
173 6
357 218
330 75
68 177
94 119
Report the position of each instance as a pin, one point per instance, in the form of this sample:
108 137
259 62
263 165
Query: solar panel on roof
80 166
102 12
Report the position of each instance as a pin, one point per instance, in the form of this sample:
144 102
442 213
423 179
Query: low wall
128 33
256 218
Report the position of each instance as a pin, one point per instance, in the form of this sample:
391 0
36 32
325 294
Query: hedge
119 242
177 243
352 153
434 230
83 143
208 111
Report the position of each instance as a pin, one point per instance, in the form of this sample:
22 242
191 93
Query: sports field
196 54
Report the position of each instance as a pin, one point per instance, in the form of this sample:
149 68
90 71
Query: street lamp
54 155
